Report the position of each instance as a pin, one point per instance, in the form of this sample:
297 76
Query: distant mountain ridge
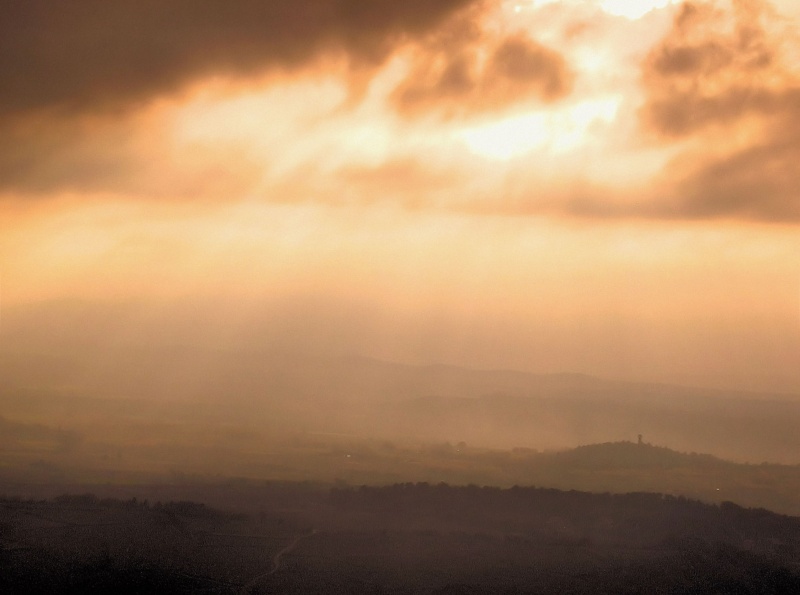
430 403
156 371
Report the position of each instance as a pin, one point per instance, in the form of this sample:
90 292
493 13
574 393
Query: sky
598 186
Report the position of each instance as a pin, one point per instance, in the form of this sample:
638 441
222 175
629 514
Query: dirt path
276 562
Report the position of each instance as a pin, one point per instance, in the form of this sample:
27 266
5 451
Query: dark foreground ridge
404 538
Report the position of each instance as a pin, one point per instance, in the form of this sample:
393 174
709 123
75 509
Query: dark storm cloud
459 83
71 72
721 75
697 77
97 53
522 64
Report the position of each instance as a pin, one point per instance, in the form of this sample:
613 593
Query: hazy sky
599 186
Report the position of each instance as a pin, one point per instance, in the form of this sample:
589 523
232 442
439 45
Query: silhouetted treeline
403 538
91 502
643 519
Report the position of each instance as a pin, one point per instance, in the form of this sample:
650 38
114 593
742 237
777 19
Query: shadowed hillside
404 538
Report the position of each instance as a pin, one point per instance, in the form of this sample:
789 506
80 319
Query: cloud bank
722 79
702 123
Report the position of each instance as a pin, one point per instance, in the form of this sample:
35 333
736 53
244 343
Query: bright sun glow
633 9
553 131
